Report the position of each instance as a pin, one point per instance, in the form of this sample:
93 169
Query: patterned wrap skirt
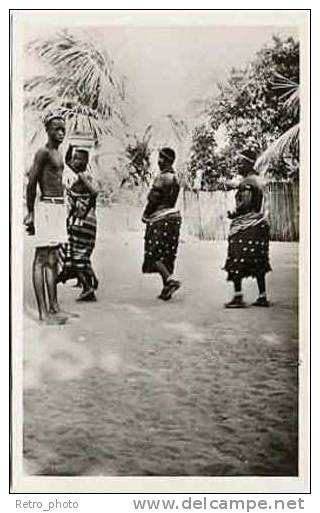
161 242
76 254
248 249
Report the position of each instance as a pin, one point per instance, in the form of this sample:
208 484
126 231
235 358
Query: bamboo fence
205 213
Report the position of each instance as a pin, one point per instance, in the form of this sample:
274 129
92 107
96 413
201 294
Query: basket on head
82 140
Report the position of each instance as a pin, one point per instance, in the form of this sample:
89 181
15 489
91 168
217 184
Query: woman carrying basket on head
81 225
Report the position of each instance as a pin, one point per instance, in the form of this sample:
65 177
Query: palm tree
81 83
288 142
136 157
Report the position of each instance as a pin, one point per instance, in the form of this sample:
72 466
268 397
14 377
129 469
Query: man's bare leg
38 281
51 281
55 316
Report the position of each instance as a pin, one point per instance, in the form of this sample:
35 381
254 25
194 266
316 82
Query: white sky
169 67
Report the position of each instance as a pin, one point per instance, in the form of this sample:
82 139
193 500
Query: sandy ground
136 386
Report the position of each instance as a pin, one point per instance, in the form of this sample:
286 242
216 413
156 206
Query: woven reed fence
205 213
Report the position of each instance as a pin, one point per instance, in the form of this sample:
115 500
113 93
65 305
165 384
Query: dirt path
141 387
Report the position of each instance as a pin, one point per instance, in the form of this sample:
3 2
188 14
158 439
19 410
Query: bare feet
72 315
54 319
57 310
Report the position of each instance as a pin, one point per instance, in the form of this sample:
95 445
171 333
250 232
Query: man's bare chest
55 161
51 176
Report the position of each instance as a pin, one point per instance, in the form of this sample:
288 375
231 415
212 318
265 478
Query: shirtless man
49 224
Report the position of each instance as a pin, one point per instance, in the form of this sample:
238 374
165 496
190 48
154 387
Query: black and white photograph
159 230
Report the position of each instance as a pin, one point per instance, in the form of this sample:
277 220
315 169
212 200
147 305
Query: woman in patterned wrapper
163 222
248 241
81 225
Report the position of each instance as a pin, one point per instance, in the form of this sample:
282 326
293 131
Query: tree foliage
80 82
256 105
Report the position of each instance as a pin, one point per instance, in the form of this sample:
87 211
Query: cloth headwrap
168 154
50 115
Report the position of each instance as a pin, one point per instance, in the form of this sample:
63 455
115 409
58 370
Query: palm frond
292 102
286 142
282 82
80 69
147 134
290 93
